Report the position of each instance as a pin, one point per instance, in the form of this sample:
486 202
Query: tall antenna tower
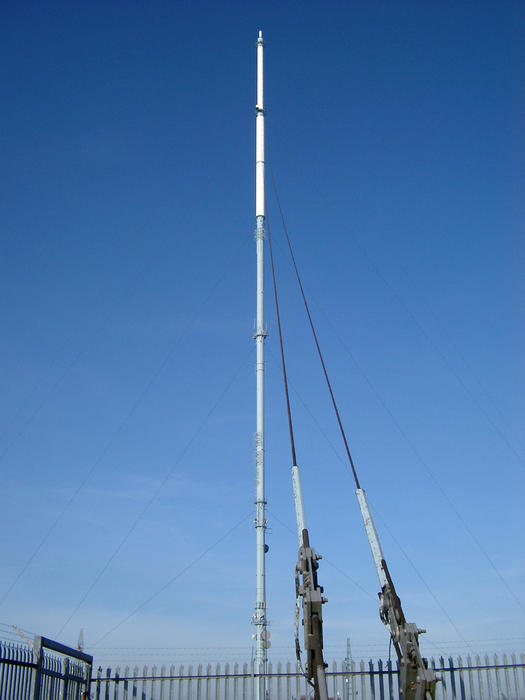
259 617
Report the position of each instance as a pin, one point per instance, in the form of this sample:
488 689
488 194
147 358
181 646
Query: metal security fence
46 670
478 678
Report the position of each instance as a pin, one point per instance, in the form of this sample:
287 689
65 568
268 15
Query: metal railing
51 671
471 678
47 670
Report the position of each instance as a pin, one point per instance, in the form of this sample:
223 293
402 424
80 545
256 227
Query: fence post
97 686
143 687
189 673
461 678
452 677
116 683
89 676
262 680
9 680
371 678
199 681
108 681
489 678
390 679
353 679
180 695
208 682
381 684
236 682
172 682
244 682
506 674
481 686
38 656
363 679
135 682
497 672
26 689
346 678
163 681
153 687
65 679
126 683
217 682
470 676
515 674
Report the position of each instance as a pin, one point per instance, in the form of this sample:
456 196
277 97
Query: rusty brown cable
334 403
283 363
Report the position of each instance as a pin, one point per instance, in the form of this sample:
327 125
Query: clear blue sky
128 288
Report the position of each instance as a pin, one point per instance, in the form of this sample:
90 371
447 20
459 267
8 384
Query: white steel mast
259 617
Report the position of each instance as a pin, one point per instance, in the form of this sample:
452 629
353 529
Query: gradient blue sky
128 287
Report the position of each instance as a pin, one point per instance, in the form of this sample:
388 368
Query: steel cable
334 403
467 528
283 363
118 430
155 494
173 579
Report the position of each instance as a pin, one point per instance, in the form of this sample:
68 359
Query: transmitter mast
259 618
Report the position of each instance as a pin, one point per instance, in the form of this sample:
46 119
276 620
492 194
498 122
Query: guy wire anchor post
416 680
313 601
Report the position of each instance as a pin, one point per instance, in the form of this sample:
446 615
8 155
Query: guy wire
354 472
283 364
